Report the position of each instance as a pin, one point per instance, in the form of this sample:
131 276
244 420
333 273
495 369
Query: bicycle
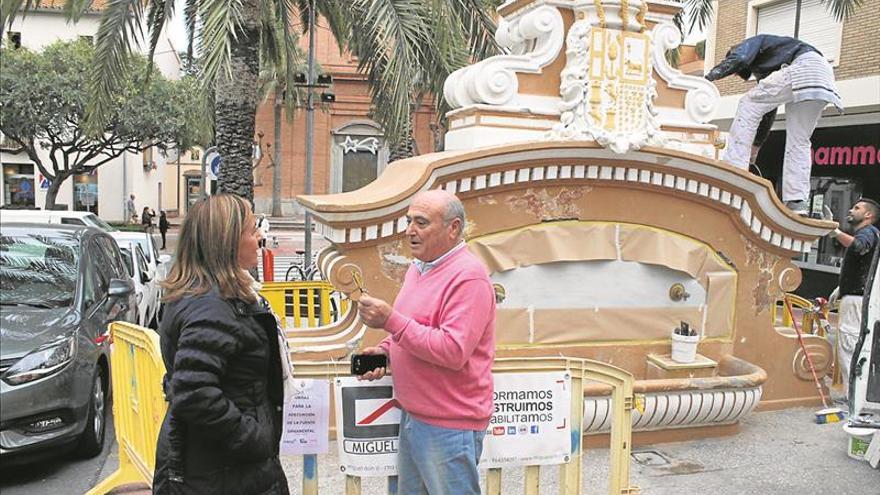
310 272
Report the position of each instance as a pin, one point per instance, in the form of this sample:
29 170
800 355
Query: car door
127 249
115 268
151 290
93 300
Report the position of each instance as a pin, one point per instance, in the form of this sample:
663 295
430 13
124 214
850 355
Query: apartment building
349 149
104 189
846 148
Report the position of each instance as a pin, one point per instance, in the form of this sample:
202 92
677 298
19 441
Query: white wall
41 28
121 176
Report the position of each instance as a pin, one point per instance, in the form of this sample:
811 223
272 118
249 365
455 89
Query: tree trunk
54 187
236 107
276 161
406 147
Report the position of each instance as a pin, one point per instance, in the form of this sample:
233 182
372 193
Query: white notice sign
530 424
367 426
306 418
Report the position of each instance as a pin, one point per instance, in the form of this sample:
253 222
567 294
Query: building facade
845 148
105 189
349 148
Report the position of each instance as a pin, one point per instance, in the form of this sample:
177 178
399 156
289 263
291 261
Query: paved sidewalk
778 452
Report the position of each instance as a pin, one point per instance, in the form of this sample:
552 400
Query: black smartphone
362 363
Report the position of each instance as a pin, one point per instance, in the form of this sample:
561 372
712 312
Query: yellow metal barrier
136 369
810 321
139 408
581 370
305 304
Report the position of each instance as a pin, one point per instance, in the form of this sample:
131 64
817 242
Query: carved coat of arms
608 89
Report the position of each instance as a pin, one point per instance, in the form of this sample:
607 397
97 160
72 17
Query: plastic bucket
684 348
859 439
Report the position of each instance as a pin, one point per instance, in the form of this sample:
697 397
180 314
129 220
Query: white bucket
684 348
859 439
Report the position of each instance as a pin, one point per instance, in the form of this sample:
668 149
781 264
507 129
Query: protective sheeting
596 283
584 241
573 326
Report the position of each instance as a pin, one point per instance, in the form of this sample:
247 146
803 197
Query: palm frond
701 12
842 9
119 31
9 9
388 43
74 9
221 22
160 12
190 16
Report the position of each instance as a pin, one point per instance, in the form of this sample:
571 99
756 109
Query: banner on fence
306 418
367 427
530 424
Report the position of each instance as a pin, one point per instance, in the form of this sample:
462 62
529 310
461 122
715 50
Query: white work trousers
800 121
850 314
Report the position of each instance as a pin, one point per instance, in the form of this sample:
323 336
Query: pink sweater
442 343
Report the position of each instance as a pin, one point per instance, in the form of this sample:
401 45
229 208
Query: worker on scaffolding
788 72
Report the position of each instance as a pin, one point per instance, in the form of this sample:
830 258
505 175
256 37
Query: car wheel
91 443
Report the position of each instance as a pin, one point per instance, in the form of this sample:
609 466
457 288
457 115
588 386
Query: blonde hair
207 251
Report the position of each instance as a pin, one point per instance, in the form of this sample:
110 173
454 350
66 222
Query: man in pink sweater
441 348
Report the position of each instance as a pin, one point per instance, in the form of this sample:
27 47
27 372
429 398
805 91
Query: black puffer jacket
225 392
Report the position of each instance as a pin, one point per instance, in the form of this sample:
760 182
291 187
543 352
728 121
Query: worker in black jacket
226 361
791 73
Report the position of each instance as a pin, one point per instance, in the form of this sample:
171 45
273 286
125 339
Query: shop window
817 26
149 161
85 192
18 185
358 156
193 190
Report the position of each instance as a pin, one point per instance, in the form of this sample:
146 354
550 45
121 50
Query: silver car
59 288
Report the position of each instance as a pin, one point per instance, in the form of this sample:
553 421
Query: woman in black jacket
225 361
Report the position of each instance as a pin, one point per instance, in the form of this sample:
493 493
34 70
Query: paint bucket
684 348
859 439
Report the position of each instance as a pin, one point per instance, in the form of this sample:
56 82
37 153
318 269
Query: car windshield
38 269
95 221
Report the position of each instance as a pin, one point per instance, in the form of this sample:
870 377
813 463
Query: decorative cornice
377 211
534 41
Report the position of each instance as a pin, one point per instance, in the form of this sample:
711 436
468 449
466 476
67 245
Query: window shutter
818 26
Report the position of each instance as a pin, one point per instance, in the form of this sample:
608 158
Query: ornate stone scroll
533 42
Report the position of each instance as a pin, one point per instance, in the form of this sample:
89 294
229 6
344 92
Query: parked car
157 265
59 288
145 287
61 217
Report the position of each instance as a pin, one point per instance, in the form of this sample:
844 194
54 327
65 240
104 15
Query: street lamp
309 81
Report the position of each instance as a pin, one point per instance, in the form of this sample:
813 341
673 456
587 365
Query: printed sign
306 418
529 426
530 423
370 423
44 183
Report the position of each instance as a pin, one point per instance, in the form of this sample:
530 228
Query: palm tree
396 42
273 82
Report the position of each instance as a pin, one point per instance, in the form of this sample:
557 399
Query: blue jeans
437 461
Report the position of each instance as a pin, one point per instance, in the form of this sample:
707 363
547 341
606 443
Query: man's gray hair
454 209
